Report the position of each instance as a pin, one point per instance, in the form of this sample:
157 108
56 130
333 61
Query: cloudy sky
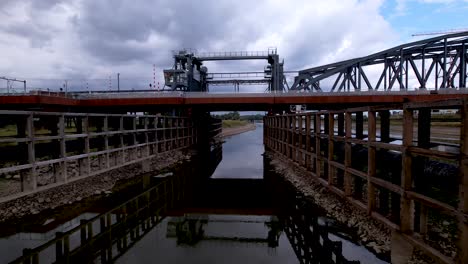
87 41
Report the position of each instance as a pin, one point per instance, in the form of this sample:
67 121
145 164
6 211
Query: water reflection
242 156
189 217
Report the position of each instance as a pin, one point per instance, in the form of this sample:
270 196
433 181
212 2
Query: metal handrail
233 54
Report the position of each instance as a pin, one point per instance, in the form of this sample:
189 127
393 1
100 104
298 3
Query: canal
209 210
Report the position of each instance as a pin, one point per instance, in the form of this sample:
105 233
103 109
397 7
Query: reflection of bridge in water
109 235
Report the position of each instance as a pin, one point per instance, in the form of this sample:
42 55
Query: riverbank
230 131
368 232
87 187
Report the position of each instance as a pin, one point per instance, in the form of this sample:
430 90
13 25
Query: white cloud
95 39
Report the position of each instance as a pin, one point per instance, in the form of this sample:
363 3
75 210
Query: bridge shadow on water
190 217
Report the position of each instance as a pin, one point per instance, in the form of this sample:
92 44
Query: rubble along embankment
372 234
76 191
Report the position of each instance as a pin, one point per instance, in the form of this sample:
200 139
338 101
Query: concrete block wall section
381 164
51 149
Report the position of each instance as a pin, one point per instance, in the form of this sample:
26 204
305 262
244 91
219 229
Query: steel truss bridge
438 62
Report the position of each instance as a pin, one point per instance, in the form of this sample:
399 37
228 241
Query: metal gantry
188 74
438 62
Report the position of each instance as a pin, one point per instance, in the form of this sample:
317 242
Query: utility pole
10 80
118 82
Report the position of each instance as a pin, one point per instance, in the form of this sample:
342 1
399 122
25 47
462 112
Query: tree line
236 116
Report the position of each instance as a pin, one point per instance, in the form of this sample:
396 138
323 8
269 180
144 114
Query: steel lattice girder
239 81
447 52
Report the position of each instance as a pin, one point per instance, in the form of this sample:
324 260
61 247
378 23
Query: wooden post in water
462 254
331 130
294 137
307 145
407 206
348 149
317 131
301 141
371 169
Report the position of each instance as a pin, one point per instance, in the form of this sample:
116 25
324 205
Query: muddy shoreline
237 130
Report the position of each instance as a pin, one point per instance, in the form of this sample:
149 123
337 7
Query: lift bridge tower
189 75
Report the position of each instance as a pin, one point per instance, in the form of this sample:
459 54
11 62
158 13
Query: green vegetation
236 116
234 123
252 117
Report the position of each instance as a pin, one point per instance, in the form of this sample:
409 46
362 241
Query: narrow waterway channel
241 213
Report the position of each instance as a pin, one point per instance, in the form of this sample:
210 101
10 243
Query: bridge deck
214 101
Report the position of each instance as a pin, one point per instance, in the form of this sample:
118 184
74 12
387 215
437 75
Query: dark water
241 213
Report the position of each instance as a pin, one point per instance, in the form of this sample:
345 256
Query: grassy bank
234 123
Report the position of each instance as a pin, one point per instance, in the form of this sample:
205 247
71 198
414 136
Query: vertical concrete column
121 137
29 177
317 130
288 136
85 164
293 137
385 138
462 243
283 135
359 125
184 128
61 172
173 131
156 139
164 131
272 132
424 141
147 145
401 250
276 133
348 149
178 132
331 130
407 205
307 144
135 150
300 147
371 168
106 141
